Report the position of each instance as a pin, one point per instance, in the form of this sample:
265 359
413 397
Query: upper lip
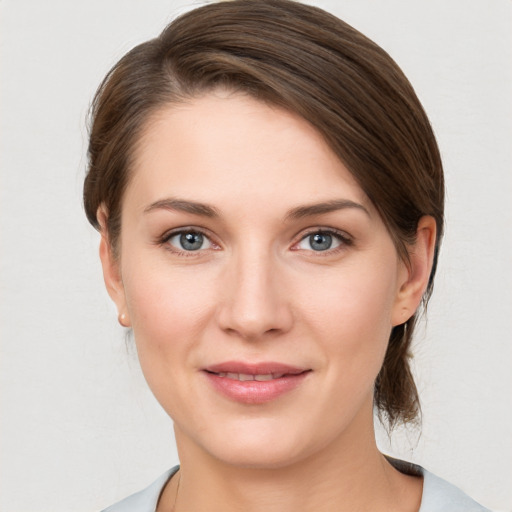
262 368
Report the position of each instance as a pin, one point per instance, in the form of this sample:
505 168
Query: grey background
79 430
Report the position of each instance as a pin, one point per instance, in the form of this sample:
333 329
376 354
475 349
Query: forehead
229 148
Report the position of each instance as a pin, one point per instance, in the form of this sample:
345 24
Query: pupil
191 241
320 242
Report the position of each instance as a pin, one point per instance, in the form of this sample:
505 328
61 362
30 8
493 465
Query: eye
321 241
189 241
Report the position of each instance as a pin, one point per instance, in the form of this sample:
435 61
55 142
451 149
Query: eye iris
191 241
320 241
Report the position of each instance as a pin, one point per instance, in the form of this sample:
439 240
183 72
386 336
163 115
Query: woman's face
260 282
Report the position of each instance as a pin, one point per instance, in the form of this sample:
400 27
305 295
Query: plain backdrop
79 429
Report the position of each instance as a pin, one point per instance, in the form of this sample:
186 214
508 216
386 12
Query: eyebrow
323 208
299 212
183 206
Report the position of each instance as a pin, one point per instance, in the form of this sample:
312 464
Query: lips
243 377
254 383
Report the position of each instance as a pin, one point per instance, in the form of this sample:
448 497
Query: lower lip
254 391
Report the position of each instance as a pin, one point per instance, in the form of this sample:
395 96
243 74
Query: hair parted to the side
307 61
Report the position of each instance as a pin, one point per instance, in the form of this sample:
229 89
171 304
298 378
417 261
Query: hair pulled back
309 62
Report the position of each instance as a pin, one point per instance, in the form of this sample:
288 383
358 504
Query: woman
270 198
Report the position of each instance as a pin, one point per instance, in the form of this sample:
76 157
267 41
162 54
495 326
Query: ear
414 275
111 270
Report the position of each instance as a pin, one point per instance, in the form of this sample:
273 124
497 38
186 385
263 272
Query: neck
350 474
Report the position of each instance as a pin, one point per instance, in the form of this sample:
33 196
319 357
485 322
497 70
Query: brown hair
307 61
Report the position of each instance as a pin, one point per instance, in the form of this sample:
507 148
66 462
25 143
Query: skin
257 291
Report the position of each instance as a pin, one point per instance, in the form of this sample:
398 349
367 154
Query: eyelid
345 239
164 239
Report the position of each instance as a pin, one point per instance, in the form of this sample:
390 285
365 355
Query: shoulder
145 500
438 495
441 496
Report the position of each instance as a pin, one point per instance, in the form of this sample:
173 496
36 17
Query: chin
257 457
261 445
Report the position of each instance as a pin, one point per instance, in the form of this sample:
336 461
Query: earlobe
416 273
111 270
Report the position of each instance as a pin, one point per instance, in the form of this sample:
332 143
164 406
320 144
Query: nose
255 301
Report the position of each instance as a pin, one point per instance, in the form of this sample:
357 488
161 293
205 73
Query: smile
247 377
254 383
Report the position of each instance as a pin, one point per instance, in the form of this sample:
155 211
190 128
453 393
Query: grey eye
320 241
190 241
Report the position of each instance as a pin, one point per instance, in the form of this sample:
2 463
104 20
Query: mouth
254 383
245 377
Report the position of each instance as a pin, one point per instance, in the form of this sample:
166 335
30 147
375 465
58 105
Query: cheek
169 313
355 300
351 314
351 322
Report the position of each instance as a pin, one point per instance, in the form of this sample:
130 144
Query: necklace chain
173 509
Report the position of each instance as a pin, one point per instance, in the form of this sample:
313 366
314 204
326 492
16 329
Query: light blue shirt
438 496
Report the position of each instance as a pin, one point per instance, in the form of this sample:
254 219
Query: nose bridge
255 303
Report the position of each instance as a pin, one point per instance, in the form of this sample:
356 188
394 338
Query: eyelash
164 241
344 239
